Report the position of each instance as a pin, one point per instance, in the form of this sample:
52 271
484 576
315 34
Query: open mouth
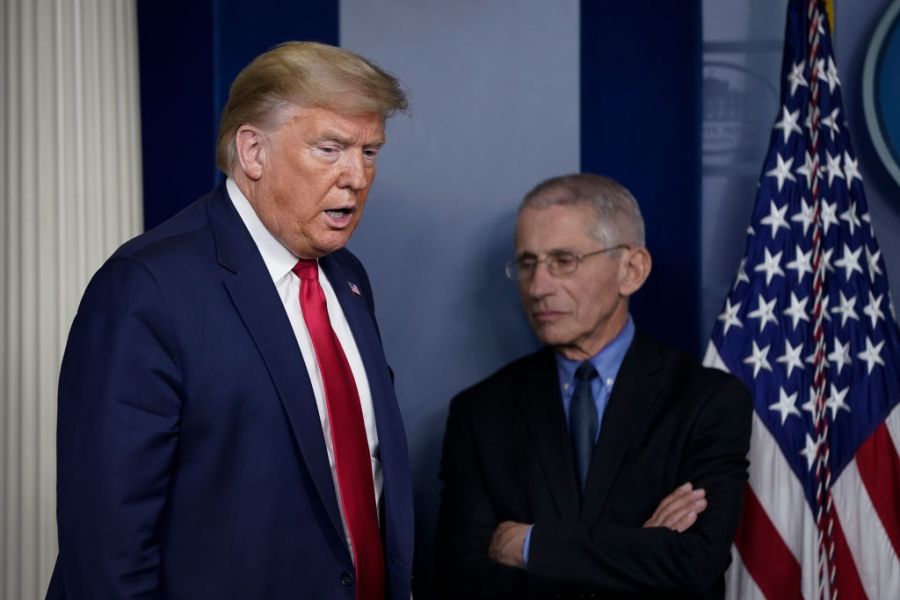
339 217
338 213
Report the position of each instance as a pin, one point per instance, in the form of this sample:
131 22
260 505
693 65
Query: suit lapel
353 304
636 389
251 290
541 405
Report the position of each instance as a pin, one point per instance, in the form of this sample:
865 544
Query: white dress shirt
280 261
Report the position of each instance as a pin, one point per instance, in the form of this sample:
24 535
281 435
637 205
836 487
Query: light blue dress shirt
607 362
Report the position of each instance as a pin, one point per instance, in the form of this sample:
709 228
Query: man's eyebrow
344 140
333 137
550 252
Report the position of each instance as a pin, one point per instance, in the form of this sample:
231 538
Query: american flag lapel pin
354 289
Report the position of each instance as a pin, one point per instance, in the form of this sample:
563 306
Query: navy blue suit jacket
191 457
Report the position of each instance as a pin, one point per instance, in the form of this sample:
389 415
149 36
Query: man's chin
550 336
327 244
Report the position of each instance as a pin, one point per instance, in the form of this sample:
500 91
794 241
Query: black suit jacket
507 456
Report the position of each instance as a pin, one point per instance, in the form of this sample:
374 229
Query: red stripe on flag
849 585
879 469
768 560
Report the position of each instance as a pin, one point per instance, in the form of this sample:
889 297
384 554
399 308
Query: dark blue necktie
583 420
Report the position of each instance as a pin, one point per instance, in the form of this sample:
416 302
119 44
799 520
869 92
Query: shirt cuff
526 547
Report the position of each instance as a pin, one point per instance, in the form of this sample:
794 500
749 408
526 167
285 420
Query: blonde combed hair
306 74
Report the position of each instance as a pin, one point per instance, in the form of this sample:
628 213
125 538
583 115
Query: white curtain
71 193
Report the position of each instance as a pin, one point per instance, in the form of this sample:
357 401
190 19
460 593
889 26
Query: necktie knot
585 371
306 268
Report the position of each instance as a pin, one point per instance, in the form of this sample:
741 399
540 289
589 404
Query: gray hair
303 74
618 216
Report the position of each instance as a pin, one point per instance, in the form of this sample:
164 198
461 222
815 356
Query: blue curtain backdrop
189 54
640 123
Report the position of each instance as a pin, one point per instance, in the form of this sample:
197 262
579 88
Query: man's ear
250 144
636 266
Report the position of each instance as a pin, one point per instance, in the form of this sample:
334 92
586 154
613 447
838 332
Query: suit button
346 579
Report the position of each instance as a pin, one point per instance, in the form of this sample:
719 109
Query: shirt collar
607 362
278 259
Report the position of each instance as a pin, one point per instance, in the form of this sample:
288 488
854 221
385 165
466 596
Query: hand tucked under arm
507 544
679 510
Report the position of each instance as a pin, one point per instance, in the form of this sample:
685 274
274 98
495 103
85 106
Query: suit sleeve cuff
526 547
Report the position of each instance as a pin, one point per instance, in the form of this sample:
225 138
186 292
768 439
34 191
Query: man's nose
542 283
354 173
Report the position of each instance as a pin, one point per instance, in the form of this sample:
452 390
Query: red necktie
348 436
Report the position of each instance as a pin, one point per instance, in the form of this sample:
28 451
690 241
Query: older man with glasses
605 464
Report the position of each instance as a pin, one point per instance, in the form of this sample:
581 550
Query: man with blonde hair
227 420
604 465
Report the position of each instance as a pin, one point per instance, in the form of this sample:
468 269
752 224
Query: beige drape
71 192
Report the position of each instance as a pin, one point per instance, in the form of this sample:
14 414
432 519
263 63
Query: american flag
810 327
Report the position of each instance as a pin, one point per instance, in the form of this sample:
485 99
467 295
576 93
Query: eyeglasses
560 263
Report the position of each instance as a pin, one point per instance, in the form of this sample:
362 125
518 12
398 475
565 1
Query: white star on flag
846 309
729 315
805 216
810 405
835 401
872 259
851 168
786 405
851 217
791 357
775 219
782 171
840 356
802 263
758 359
796 77
873 308
833 168
741 274
831 122
829 215
771 265
809 452
871 355
788 123
765 312
850 261
807 170
797 310
831 76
